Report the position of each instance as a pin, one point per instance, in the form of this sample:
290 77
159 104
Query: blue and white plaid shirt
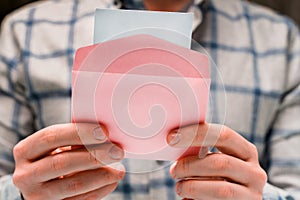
256 51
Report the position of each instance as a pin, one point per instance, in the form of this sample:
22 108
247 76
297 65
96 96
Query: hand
54 163
232 173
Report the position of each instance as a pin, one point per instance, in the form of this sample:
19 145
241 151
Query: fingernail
121 174
203 152
121 171
179 188
99 134
117 166
116 152
173 170
174 138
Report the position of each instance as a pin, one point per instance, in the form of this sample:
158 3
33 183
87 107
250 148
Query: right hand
43 172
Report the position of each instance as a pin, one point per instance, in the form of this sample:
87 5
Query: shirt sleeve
15 115
283 151
8 191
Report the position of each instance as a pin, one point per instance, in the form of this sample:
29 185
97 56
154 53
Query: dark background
6 6
287 7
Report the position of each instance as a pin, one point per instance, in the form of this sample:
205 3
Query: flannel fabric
257 53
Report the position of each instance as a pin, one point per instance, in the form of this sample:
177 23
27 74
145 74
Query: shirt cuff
8 191
274 193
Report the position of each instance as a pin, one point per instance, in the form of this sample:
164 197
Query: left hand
232 173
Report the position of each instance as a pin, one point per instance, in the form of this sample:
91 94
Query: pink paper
141 88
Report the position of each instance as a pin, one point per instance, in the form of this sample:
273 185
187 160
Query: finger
52 137
203 152
69 162
82 182
96 194
194 189
225 139
214 165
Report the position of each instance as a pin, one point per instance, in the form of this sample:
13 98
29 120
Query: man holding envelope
254 131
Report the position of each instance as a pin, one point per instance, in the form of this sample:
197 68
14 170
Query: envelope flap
132 55
81 54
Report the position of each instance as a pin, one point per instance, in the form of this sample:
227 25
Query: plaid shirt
257 53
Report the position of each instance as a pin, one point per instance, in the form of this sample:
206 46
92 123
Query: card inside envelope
141 87
175 27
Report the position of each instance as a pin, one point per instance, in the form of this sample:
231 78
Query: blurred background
286 7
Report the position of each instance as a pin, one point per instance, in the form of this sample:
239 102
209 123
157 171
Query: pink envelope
141 88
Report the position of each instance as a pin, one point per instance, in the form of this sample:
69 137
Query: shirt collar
193 7
133 4
139 5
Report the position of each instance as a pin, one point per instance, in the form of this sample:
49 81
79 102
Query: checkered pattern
257 53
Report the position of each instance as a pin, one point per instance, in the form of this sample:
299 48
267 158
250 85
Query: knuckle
257 177
191 188
225 192
264 176
19 178
220 163
49 136
225 133
19 150
75 186
58 162
261 176
188 189
183 166
253 151
93 158
108 176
